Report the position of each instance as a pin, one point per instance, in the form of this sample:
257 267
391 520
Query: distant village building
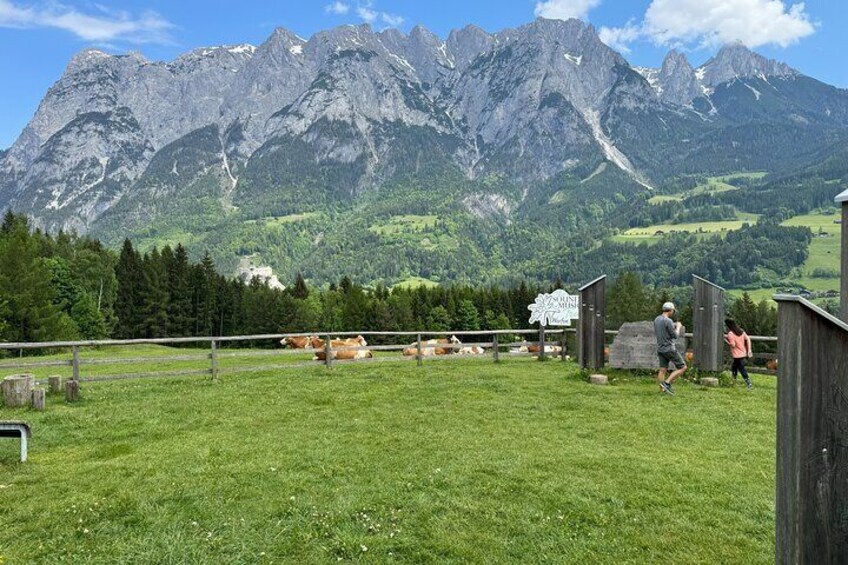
247 271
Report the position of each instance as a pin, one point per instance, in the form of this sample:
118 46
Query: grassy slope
456 462
707 227
824 254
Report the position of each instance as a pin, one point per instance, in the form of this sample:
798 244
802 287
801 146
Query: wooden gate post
708 325
811 510
418 356
75 363
214 357
496 349
591 324
328 349
843 296
541 342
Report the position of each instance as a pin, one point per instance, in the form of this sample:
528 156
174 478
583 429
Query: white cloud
565 9
102 27
337 8
715 22
392 20
367 14
710 23
619 38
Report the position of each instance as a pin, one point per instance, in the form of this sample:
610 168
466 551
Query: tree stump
17 390
71 390
709 381
55 384
38 399
599 379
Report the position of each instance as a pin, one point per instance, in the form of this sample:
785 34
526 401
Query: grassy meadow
457 461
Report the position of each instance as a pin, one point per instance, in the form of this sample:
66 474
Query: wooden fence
812 435
221 348
224 349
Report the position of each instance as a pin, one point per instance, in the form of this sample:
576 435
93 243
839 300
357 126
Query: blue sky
37 38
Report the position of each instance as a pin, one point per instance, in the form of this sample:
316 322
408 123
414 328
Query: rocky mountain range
296 126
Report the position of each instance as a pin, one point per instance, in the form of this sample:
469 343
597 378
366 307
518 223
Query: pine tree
128 304
300 291
154 297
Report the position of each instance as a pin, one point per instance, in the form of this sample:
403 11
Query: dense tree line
71 287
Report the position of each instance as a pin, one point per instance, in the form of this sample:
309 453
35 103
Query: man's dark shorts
671 357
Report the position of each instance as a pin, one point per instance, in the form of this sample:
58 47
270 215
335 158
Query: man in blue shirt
667 333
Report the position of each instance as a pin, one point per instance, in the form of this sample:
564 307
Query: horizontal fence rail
550 342
545 343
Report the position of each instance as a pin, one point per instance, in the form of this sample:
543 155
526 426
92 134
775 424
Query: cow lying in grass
412 350
338 349
297 342
536 348
471 350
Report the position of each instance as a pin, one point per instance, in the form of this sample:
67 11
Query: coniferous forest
65 286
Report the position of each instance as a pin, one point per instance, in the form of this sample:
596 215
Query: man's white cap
668 307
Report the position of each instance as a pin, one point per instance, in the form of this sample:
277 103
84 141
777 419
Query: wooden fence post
591 324
812 435
842 199
419 356
75 363
708 325
541 342
562 354
495 349
214 357
328 350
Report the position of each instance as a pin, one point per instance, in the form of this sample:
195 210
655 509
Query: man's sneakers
749 385
666 387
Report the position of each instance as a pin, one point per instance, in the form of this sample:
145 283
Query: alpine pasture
456 461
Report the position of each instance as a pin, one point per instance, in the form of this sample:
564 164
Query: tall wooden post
541 342
591 324
843 296
75 363
812 435
708 325
328 350
496 349
214 357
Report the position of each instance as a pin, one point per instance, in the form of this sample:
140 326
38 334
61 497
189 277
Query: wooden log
72 390
17 390
709 381
55 384
599 379
38 399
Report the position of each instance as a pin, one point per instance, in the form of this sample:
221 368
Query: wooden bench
17 430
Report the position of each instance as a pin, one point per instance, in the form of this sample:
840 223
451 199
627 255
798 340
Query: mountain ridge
503 126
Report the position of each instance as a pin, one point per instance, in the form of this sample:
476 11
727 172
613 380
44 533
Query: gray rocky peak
737 61
677 79
466 44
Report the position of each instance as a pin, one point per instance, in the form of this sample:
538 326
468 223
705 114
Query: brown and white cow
296 342
426 351
339 350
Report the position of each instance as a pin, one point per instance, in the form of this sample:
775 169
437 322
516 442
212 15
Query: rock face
120 140
635 347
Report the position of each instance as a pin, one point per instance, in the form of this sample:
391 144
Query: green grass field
695 227
458 461
415 282
824 253
278 221
399 224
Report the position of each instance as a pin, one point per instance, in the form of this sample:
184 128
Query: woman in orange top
740 349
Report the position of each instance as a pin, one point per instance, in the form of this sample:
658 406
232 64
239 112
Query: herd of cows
350 348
